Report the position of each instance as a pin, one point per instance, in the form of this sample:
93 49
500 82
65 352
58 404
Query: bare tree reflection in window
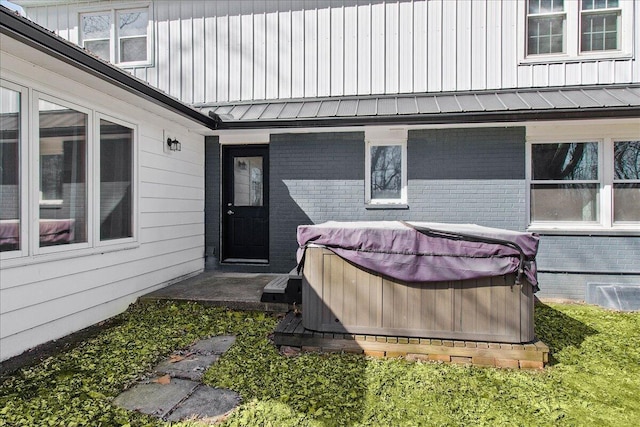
565 183
386 171
626 184
627 160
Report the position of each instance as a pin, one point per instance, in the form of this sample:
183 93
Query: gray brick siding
471 175
212 200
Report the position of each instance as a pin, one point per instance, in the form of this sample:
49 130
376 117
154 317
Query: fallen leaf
175 358
164 380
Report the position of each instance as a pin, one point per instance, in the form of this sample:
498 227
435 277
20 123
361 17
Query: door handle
230 212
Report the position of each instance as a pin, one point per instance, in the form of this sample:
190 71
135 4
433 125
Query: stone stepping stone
191 367
183 397
214 345
207 404
156 399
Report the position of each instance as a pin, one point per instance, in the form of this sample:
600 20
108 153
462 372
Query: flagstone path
174 391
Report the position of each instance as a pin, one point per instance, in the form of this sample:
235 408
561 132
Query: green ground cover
594 378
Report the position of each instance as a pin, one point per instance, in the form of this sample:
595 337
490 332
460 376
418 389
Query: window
566 30
247 181
80 168
589 184
600 25
546 22
566 172
118 36
62 174
116 178
10 186
626 181
386 172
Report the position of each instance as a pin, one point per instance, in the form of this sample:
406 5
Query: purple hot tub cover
426 251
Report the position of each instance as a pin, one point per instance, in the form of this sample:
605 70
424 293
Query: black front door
245 204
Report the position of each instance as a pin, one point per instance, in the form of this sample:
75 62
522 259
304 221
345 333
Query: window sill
381 206
584 57
569 231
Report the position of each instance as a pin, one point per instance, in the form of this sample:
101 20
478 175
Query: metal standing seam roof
480 106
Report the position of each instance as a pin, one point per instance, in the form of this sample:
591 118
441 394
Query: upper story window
546 23
582 28
119 36
599 25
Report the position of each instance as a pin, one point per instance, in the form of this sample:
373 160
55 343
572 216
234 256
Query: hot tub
429 280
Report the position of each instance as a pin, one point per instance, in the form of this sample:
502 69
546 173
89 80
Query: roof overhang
488 106
37 37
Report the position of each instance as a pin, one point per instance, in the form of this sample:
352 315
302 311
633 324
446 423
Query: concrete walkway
239 291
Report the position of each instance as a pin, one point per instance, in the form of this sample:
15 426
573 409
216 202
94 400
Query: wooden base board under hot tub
534 355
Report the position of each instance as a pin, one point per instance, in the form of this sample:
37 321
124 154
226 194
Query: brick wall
212 200
471 175
461 175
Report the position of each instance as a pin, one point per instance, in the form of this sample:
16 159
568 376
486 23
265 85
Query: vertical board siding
226 50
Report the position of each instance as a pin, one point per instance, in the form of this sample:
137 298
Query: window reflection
63 189
566 186
116 160
10 170
626 184
386 171
247 181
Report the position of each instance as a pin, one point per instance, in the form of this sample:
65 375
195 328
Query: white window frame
134 181
35 175
605 198
386 140
30 250
23 176
573 35
563 14
114 38
617 10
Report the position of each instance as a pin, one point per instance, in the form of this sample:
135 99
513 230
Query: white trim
393 137
31 252
605 178
114 39
134 182
573 36
35 174
23 175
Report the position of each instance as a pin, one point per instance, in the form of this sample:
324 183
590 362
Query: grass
594 378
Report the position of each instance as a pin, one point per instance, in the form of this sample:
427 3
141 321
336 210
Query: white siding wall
44 297
221 51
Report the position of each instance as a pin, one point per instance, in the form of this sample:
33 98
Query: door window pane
386 171
63 189
10 172
116 160
247 181
626 184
